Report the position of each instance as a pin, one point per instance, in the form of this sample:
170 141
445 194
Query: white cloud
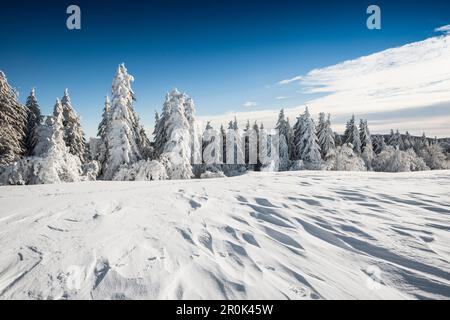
288 81
283 97
409 78
444 29
250 104
415 75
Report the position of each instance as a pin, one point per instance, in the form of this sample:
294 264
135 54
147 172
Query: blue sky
223 54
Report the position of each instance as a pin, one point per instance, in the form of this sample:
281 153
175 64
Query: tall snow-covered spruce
13 124
195 136
73 134
352 135
308 146
326 137
366 144
124 137
34 120
283 132
58 163
101 151
177 151
159 133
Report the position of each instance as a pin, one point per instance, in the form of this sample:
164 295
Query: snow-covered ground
294 235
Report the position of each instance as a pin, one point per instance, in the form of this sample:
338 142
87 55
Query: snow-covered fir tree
396 140
59 163
56 163
34 119
223 143
159 134
124 80
254 138
103 128
235 149
348 133
73 134
309 147
124 137
378 144
211 152
247 132
194 131
283 132
366 144
298 131
421 143
326 137
13 124
337 139
407 141
321 123
290 139
176 155
352 136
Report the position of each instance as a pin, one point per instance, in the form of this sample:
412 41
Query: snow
296 235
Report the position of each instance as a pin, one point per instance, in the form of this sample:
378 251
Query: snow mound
291 235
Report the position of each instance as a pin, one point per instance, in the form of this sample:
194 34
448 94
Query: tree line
37 149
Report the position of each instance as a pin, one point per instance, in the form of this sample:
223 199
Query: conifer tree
122 136
283 132
366 144
13 124
73 134
325 137
309 147
34 121
177 149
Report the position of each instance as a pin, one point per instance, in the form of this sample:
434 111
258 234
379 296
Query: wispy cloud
412 76
407 79
288 81
444 29
250 104
283 97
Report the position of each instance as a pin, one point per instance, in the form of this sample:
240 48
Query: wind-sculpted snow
293 235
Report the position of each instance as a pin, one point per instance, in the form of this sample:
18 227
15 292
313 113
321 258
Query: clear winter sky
246 57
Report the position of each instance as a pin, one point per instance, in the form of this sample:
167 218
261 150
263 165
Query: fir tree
34 121
290 139
366 144
223 144
194 131
396 140
102 131
177 150
13 124
254 138
123 134
352 136
348 134
326 137
309 147
378 144
283 132
160 135
297 137
73 134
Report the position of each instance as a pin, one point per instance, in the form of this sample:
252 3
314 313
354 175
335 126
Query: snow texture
314 235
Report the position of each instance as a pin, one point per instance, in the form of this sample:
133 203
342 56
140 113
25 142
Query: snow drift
292 235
